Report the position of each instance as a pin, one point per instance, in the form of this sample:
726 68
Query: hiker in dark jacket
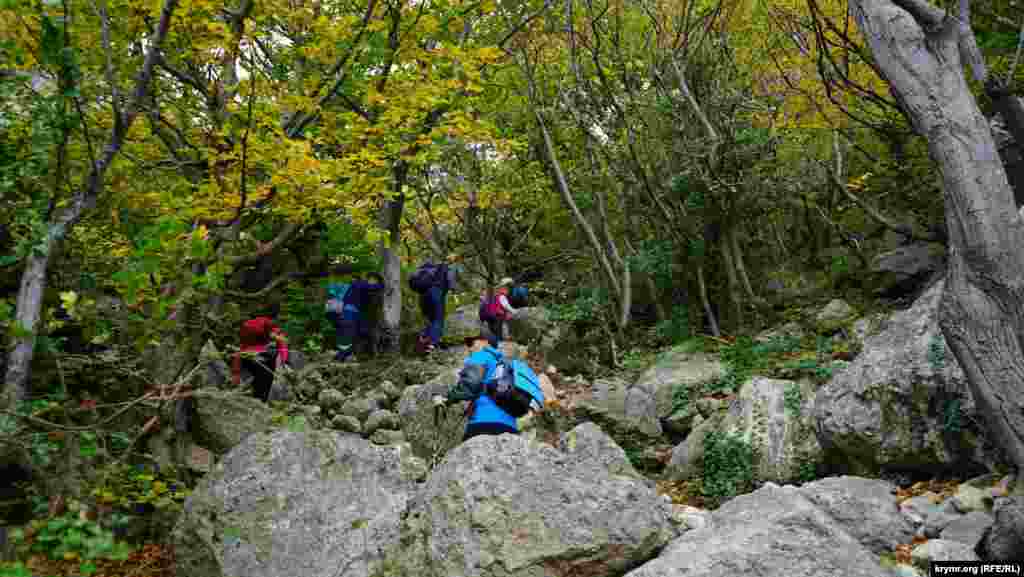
432 303
263 346
357 300
346 308
486 417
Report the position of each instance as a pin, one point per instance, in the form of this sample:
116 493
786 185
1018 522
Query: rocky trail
835 444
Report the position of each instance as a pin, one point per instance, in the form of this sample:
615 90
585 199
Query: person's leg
435 315
262 369
494 326
349 328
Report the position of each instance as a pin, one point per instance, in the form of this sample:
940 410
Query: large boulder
775 418
314 504
772 532
687 459
431 433
1004 541
836 314
535 327
903 403
676 373
588 441
223 419
499 506
865 507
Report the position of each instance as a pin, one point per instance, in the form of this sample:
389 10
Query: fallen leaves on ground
149 561
681 493
943 488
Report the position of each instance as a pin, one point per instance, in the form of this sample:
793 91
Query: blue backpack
515 388
336 297
519 296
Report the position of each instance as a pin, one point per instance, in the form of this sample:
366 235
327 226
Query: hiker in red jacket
263 346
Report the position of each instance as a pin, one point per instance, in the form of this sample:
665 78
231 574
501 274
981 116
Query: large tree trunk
391 303
982 312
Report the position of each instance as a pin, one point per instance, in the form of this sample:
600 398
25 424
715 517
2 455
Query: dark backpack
519 296
515 388
427 276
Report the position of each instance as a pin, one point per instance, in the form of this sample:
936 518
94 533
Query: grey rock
346 423
498 506
783 439
789 331
387 437
314 504
968 498
359 408
391 390
431 438
330 399
968 529
223 419
937 519
687 459
835 314
691 518
673 369
381 419
588 442
708 406
888 407
1005 540
904 269
918 509
940 550
534 327
774 531
864 507
902 570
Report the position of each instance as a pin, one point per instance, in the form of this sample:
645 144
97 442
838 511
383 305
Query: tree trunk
982 311
30 300
391 301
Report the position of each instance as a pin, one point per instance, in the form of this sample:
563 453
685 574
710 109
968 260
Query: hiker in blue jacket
350 322
486 417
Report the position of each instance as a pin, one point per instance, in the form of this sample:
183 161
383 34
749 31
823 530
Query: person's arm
503 301
468 387
282 343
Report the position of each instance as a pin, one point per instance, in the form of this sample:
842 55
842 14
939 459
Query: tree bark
982 312
391 301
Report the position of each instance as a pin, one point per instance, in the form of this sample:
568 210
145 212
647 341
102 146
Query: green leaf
87 568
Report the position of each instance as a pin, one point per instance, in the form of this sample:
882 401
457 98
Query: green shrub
728 467
793 399
70 537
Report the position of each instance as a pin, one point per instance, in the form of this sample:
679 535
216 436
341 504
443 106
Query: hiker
352 327
499 391
433 282
263 346
495 308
